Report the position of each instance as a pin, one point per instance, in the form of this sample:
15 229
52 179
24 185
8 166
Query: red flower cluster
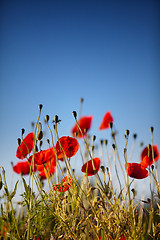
138 170
91 167
46 169
64 185
85 124
66 147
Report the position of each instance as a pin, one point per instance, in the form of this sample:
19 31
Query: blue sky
55 52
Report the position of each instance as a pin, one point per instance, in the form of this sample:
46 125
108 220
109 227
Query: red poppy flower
106 120
145 162
46 170
64 185
136 170
85 124
25 147
91 167
44 156
70 147
23 168
155 153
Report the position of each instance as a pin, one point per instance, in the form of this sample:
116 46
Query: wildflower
136 170
85 124
46 169
106 120
69 148
25 147
44 156
64 185
91 167
23 168
149 154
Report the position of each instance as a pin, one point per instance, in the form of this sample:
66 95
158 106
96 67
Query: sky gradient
55 52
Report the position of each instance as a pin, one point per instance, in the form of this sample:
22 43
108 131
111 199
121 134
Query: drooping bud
103 169
113 145
111 125
74 114
152 167
39 135
93 138
106 142
101 141
48 141
56 119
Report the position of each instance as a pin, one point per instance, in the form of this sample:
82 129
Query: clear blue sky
55 52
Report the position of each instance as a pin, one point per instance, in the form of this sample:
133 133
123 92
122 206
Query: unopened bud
134 135
101 141
19 141
152 167
48 141
40 106
105 141
94 138
127 132
103 169
40 143
39 135
125 150
56 119
152 129
22 131
74 114
47 118
113 145
111 125
81 100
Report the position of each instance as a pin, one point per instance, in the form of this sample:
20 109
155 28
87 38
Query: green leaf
15 189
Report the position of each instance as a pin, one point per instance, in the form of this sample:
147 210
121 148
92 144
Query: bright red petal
91 167
155 153
44 156
25 147
136 170
106 120
70 147
85 124
23 168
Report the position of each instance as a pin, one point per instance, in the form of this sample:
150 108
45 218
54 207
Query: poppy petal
85 124
91 167
155 153
136 170
23 168
25 147
106 120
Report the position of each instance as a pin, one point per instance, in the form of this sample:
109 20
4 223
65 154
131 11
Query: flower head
64 185
85 124
148 152
69 148
44 156
23 168
91 167
106 120
25 147
136 170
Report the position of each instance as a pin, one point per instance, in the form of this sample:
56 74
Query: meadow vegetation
89 206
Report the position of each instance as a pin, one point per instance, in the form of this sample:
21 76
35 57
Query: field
89 206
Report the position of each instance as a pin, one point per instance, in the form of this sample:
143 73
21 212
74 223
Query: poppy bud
125 150
127 132
48 141
56 119
74 114
1 184
94 138
152 167
47 118
81 100
106 142
141 144
103 169
113 145
19 141
40 106
22 131
39 135
134 135
101 141
152 129
111 125
40 143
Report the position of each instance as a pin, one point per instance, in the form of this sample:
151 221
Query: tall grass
91 208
